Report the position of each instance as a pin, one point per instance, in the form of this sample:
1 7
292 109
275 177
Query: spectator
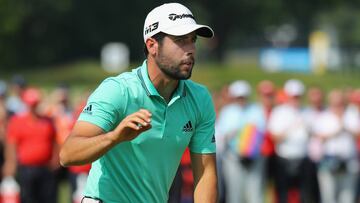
31 149
221 99
61 113
266 92
338 166
288 129
314 109
242 127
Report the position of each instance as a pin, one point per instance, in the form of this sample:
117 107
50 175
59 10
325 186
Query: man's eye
180 40
184 40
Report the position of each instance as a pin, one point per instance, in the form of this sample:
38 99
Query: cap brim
201 30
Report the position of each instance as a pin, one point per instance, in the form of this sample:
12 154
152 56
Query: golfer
136 126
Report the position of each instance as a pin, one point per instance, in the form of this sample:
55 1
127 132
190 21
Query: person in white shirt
226 125
242 170
313 110
289 130
338 166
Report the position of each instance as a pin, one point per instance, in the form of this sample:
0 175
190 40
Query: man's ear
152 46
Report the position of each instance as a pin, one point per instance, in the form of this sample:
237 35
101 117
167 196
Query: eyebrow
184 37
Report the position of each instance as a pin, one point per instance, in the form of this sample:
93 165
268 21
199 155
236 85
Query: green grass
77 74
88 74
216 75
85 76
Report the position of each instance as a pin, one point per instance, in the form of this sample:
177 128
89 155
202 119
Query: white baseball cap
173 19
239 88
294 87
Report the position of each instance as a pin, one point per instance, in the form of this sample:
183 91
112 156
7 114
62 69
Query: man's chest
173 124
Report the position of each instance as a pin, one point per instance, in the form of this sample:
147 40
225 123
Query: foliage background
45 32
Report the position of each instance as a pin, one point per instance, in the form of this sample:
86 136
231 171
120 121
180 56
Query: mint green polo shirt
143 169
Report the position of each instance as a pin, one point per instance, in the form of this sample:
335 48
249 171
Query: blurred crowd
33 124
289 144
274 144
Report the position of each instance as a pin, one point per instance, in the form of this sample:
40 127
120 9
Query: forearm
206 190
205 178
79 150
88 142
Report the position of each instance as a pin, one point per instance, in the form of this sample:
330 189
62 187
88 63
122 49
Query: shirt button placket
164 120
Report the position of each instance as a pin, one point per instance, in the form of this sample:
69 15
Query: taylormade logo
174 16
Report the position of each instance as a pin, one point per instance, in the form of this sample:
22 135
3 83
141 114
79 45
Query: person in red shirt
29 151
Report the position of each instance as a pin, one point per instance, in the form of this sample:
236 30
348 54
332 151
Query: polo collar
142 73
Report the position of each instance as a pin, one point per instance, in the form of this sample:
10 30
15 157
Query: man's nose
191 48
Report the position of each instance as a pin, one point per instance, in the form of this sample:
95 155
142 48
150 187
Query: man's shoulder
114 86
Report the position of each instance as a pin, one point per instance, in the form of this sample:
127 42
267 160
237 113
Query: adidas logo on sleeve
188 127
88 109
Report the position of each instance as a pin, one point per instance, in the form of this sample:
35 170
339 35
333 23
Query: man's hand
87 142
132 125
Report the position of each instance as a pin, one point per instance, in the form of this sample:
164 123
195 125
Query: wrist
114 137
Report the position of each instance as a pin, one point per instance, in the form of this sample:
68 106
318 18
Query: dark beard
171 71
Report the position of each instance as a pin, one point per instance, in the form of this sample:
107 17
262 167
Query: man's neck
163 84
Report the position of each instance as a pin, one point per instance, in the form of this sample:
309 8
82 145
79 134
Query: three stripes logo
188 127
88 109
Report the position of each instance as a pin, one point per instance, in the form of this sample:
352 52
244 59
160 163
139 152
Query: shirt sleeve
203 141
106 105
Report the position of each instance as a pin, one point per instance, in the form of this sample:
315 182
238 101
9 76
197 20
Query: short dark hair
158 37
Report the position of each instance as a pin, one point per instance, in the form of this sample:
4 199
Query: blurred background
43 37
70 46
